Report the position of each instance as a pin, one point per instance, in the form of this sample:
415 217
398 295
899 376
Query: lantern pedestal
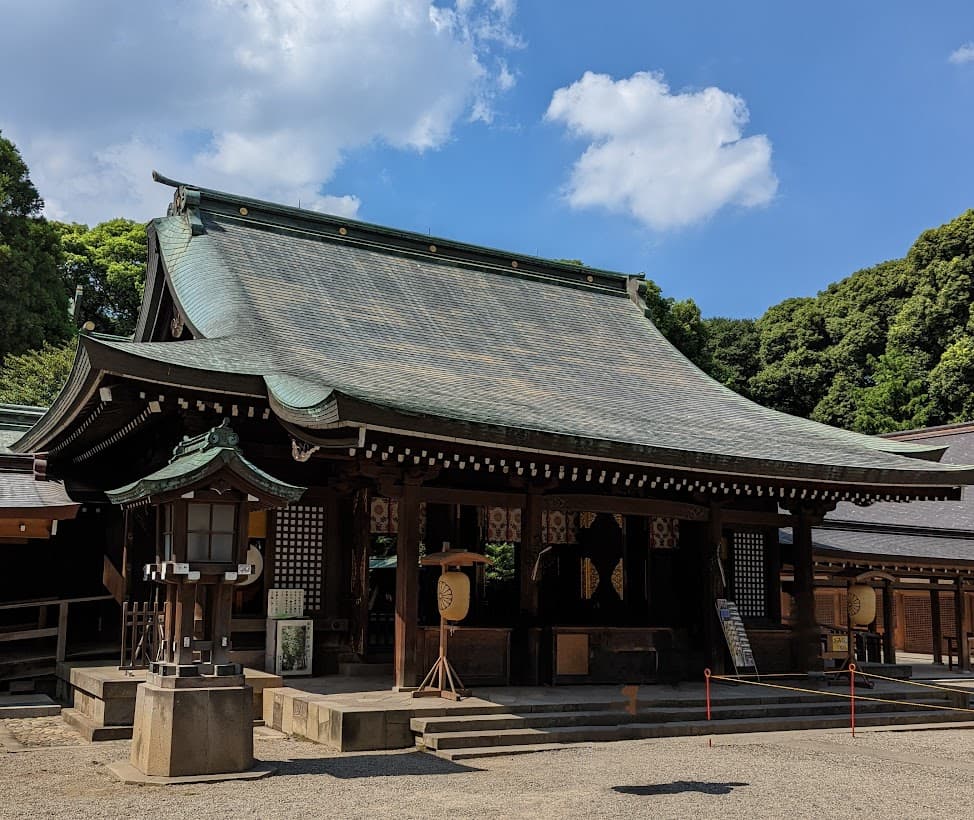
193 726
442 681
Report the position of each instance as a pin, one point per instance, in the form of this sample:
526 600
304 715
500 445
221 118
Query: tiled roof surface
19 490
896 545
314 314
953 515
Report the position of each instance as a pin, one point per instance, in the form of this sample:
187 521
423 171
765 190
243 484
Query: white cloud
260 97
964 54
667 159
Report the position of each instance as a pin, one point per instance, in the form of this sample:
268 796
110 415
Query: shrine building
430 392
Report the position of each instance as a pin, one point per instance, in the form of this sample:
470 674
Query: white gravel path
794 775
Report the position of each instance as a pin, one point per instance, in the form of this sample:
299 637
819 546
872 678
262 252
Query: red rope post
852 697
706 681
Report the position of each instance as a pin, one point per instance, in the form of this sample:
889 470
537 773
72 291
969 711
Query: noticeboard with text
737 640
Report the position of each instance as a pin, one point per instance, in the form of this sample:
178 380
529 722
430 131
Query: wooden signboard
737 640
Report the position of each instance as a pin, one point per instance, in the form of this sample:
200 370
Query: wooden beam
470 498
627 506
758 518
407 587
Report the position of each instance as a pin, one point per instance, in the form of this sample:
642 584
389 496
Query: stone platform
103 697
511 720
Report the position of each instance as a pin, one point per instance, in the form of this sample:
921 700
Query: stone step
525 742
535 720
27 706
92 731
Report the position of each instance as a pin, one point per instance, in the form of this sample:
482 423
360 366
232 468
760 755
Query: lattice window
749 592
299 546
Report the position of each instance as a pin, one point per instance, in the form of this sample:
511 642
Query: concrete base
103 698
192 731
127 773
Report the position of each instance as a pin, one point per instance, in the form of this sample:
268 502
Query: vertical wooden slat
62 631
530 547
963 626
935 624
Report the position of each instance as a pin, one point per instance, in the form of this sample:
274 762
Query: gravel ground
794 775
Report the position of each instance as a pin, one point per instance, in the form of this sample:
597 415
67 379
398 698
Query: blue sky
736 153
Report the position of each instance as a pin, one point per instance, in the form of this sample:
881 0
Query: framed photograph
293 646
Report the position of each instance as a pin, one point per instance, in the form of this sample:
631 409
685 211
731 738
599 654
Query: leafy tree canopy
108 261
890 347
33 302
36 377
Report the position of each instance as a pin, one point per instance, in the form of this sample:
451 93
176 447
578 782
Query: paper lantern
862 605
453 595
256 561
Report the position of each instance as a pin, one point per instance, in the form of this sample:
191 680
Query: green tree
732 348
952 383
36 377
33 301
108 261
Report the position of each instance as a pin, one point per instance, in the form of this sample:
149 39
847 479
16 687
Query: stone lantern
193 715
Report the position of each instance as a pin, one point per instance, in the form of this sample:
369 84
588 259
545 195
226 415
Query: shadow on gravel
679 787
389 765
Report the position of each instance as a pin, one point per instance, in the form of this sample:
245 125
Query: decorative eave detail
198 459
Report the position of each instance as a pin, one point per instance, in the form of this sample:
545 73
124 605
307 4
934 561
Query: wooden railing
142 634
42 630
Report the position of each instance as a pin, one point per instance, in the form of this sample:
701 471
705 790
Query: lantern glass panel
197 546
223 515
199 517
221 546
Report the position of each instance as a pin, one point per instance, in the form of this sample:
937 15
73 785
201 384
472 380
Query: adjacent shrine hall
430 393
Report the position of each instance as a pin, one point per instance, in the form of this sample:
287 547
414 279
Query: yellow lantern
453 595
862 604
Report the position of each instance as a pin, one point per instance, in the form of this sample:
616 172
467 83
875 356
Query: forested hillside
888 348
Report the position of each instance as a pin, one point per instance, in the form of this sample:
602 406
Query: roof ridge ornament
222 436
186 203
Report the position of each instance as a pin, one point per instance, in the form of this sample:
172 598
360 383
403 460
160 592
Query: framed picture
293 646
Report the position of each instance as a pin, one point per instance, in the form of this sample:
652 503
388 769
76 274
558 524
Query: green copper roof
334 316
196 459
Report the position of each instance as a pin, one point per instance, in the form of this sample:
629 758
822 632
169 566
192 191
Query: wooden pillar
806 635
889 616
937 629
712 589
407 587
529 551
963 626
358 516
